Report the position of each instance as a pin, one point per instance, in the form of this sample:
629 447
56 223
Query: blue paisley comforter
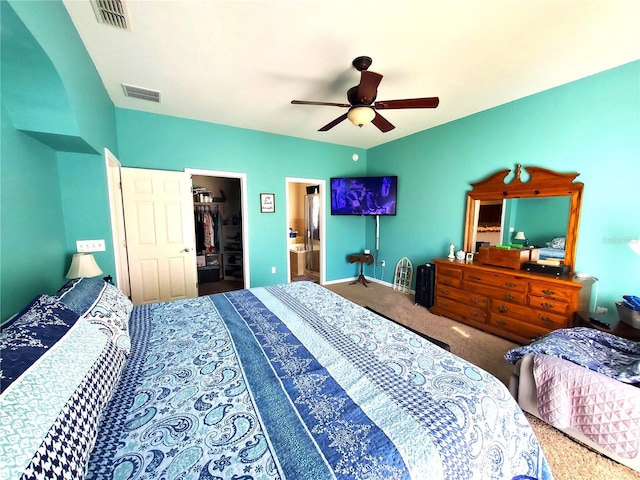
295 382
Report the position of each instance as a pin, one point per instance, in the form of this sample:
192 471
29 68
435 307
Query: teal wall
32 237
169 143
591 126
57 119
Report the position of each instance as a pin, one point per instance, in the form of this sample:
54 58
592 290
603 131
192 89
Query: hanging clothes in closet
206 219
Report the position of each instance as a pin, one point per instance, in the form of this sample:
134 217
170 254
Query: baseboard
369 279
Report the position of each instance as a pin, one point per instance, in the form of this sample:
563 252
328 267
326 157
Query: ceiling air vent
141 93
111 12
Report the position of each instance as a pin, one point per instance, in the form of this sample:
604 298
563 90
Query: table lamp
520 239
83 265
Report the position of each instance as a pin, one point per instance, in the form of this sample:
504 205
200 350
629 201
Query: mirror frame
542 183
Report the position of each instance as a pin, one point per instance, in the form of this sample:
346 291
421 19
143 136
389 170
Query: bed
583 382
282 382
554 249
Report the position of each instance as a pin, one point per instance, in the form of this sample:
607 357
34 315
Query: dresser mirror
542 211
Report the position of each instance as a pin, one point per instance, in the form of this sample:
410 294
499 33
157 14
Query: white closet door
158 210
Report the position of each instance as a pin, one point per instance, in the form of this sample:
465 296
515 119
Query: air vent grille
141 93
111 12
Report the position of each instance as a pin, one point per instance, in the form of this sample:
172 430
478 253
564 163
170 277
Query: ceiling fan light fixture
360 116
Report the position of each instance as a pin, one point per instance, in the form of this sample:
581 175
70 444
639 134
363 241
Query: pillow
29 334
49 413
102 304
557 243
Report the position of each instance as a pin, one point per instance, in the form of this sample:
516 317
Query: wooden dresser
513 304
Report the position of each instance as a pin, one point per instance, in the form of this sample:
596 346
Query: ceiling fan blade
368 88
332 124
328 104
429 102
382 123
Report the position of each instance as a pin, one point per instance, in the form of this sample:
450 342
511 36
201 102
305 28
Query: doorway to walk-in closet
306 229
220 246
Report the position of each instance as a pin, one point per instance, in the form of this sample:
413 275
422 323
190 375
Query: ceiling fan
362 108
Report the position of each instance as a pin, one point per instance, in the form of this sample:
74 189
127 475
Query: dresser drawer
497 293
473 299
448 281
449 271
550 321
521 312
459 311
522 329
507 282
449 276
551 291
549 305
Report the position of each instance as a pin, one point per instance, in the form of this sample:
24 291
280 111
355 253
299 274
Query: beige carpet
568 459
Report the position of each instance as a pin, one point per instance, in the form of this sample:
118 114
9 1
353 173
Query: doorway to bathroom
306 221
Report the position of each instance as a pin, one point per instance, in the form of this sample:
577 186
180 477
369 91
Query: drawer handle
501 323
445 292
510 285
473 277
548 292
546 320
509 297
471 288
503 309
475 300
546 305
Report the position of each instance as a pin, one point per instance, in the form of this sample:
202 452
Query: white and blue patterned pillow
29 334
102 304
557 243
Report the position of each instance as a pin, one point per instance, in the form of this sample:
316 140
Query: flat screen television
364 195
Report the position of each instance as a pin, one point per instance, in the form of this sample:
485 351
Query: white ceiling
240 63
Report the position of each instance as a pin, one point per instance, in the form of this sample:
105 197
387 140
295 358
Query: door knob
187 250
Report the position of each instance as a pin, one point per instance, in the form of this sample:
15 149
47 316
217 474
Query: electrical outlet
383 263
273 269
83 246
602 310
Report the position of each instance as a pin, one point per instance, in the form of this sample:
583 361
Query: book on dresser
513 304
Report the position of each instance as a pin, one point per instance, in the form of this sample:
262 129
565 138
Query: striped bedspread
295 382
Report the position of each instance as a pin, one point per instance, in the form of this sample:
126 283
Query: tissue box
628 316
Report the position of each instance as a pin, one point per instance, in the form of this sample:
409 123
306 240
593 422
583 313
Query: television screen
364 195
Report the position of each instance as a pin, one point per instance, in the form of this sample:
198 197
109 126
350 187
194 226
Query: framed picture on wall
267 202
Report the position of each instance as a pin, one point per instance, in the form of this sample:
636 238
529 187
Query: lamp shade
520 236
361 115
83 265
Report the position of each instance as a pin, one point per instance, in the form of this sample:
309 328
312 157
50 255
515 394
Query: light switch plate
84 246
